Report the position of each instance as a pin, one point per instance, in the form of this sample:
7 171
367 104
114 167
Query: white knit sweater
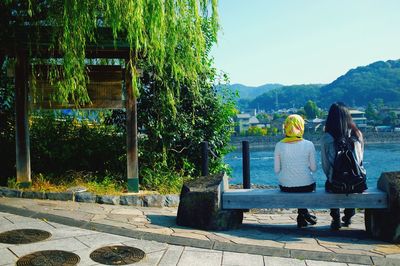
294 163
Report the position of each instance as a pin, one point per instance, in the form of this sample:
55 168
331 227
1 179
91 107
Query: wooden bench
207 203
274 198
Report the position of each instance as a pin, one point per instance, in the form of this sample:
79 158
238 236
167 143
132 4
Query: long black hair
339 122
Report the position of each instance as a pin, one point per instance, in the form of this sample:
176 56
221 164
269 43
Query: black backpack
349 176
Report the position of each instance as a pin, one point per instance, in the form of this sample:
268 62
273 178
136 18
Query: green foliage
370 112
155 31
376 83
287 96
256 131
359 86
264 118
164 179
7 125
311 109
60 143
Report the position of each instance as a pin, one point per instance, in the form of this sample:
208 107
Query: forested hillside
287 97
358 87
364 84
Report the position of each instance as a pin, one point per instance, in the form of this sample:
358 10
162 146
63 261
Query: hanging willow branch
158 32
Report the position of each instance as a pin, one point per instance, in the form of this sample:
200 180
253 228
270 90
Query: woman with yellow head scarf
294 163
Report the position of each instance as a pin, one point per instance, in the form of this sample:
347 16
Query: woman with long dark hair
339 124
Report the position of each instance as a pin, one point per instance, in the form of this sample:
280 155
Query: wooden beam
21 121
131 135
274 198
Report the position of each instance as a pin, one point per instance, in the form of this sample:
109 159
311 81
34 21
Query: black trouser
348 213
309 188
335 213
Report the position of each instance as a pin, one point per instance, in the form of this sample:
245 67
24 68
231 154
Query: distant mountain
358 87
249 93
364 84
287 97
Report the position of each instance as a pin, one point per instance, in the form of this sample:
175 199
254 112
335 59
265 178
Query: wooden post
23 158
131 134
204 158
246 164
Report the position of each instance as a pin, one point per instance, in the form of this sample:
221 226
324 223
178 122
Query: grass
98 185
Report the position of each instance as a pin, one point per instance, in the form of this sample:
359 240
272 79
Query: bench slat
274 198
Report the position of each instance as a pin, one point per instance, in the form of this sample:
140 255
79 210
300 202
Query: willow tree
158 33
154 30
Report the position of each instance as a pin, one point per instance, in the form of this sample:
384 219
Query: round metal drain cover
23 236
117 255
49 258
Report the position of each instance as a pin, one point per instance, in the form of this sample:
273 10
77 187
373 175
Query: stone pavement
268 238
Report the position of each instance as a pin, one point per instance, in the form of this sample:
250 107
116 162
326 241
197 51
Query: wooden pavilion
25 43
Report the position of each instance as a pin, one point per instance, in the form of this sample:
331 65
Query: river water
378 158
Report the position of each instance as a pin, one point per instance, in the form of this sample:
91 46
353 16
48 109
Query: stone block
33 195
171 200
63 196
385 223
85 197
200 205
153 200
108 199
132 200
11 193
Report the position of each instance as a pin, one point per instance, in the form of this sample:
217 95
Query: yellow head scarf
294 128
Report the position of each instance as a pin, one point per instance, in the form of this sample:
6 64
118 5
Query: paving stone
84 254
241 259
171 200
171 256
132 200
64 196
387 249
214 237
191 235
7 257
305 246
324 263
190 242
276 261
108 199
153 200
151 259
252 249
385 261
354 251
259 242
124 211
209 258
11 193
101 239
162 230
68 244
85 197
330 257
33 195
146 245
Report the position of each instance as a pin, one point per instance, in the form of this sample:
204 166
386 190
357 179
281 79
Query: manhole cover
49 258
23 236
117 255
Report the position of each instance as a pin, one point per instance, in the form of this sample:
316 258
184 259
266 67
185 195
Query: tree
156 31
311 109
370 112
170 42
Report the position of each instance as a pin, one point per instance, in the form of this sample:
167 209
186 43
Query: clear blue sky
304 41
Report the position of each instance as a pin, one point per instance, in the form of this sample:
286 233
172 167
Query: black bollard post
204 158
246 164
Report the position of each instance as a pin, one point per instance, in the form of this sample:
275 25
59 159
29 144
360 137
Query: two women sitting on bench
294 159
